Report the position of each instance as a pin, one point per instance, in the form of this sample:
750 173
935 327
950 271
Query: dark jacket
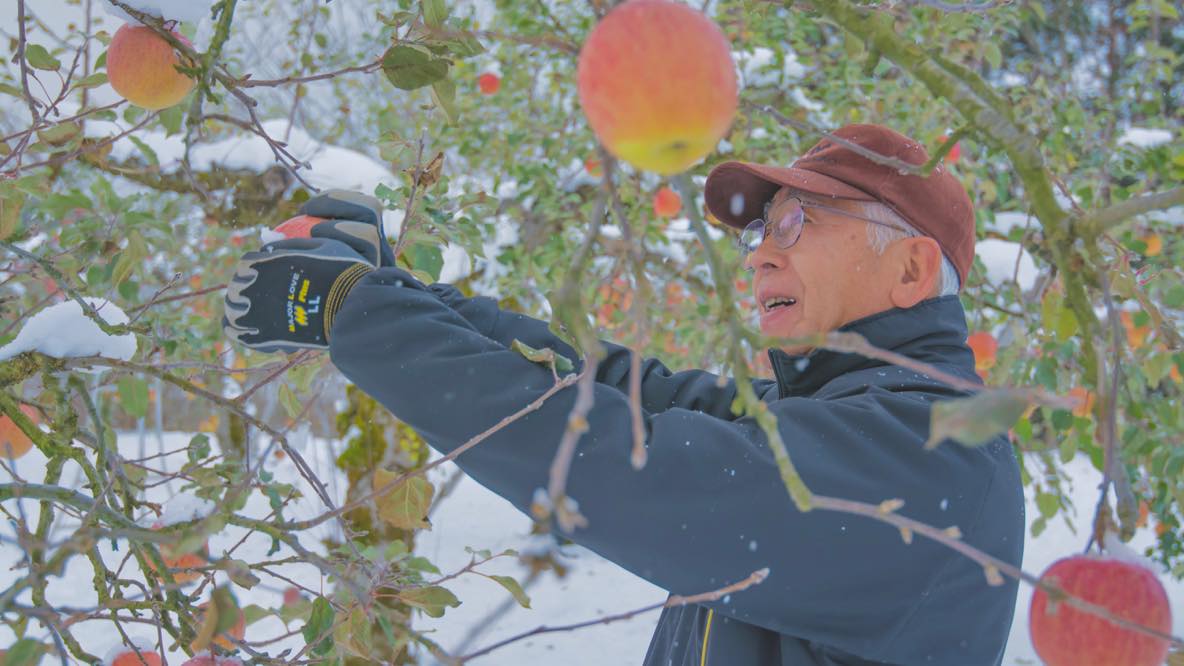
709 508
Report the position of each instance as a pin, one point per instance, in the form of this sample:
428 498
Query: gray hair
879 237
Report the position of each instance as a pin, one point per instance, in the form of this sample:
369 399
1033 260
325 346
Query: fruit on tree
299 226
1084 399
1154 243
292 595
955 152
488 83
1066 636
657 84
667 203
13 442
985 348
124 655
593 167
142 67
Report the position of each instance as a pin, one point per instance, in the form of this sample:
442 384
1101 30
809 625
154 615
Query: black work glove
354 219
285 296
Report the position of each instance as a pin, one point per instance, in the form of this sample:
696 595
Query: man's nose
766 255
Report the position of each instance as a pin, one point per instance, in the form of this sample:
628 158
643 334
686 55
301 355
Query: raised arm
709 507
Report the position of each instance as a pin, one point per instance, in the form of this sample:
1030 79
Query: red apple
657 84
13 442
142 67
488 83
124 655
593 167
1066 636
299 226
985 347
292 595
955 152
667 203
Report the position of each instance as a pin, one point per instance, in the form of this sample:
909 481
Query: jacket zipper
706 635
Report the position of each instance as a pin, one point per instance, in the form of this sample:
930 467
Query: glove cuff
340 289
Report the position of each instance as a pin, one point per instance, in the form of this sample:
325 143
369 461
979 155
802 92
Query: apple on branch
142 67
657 83
1066 636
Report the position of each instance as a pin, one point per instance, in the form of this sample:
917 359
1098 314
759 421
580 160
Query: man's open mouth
776 302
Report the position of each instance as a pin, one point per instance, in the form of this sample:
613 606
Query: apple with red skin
657 83
489 83
299 226
667 203
1066 636
142 67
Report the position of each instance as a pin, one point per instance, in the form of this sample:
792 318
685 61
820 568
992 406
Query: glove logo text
298 314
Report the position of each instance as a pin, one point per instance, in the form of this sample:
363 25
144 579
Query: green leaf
145 149
94 80
431 600
1047 503
25 652
546 356
427 258
514 589
39 58
60 134
992 54
131 257
320 621
444 95
355 635
406 505
975 420
240 574
11 90
408 67
199 448
11 203
435 12
171 119
290 402
133 395
254 612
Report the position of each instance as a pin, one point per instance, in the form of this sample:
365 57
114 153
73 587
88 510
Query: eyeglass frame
746 250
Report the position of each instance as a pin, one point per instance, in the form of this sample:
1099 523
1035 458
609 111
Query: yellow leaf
406 505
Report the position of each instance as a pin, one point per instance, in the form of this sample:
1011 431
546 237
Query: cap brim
736 192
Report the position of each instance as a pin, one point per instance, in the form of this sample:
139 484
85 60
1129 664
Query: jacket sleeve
709 507
661 389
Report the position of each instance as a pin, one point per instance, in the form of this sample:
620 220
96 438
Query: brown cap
936 205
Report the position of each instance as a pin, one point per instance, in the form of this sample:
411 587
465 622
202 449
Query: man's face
832 273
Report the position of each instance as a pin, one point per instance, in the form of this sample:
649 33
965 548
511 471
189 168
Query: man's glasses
787 228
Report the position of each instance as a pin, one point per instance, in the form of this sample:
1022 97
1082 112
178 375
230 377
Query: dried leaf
406 505
431 600
890 505
953 532
994 578
906 534
974 421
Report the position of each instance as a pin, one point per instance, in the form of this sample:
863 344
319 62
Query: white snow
758 67
184 508
270 236
1145 137
143 643
1005 221
174 10
65 331
999 257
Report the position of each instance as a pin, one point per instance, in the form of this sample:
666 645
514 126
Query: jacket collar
933 331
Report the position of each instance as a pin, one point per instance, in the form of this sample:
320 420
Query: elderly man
836 241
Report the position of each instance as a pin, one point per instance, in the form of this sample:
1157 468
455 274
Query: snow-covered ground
472 516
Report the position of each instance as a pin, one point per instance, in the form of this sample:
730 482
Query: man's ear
918 273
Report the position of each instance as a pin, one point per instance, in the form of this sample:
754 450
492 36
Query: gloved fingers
363 238
344 204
